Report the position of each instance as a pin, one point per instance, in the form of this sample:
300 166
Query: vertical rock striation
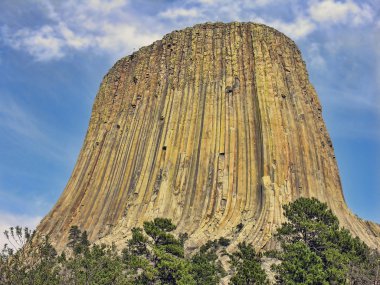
215 126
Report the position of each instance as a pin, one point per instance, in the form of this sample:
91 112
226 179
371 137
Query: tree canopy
313 250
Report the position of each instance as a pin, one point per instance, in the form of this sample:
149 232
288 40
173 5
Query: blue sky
53 55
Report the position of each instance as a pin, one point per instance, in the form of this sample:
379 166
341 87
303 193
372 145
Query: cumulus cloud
242 3
109 26
240 10
43 43
209 2
331 11
15 119
22 125
300 28
8 220
104 25
315 57
113 26
111 39
180 12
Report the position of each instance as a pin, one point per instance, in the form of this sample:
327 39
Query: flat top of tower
213 26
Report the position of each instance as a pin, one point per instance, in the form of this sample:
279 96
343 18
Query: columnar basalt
215 126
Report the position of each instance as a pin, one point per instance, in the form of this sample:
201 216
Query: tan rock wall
212 126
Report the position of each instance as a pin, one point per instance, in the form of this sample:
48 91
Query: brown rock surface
213 126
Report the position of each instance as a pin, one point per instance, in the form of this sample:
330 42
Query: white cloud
340 12
242 3
26 130
43 43
240 10
354 102
14 118
300 28
111 40
71 39
217 10
314 56
104 6
175 13
98 25
208 2
8 220
112 26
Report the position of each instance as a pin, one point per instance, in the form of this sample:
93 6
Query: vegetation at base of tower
24 266
314 250
247 267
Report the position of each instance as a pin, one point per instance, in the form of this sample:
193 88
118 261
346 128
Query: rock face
215 126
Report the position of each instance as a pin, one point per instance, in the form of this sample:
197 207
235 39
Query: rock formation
216 127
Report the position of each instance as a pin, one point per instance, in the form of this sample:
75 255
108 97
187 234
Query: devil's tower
216 127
